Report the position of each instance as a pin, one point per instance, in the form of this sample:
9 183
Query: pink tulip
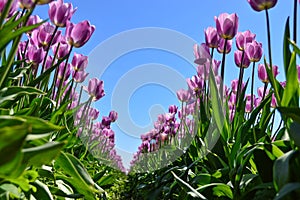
259 5
60 12
78 34
211 37
242 38
227 25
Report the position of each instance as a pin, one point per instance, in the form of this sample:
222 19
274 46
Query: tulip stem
241 75
63 78
272 78
48 48
252 85
223 61
295 21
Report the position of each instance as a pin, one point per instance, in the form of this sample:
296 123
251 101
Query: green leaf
42 191
11 189
41 155
281 169
219 189
291 112
296 48
292 84
193 191
40 126
11 141
106 180
217 109
13 92
295 133
78 176
286 189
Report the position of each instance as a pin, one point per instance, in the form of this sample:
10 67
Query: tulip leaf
40 155
281 169
78 176
291 112
12 93
287 189
296 48
295 133
42 191
292 84
11 142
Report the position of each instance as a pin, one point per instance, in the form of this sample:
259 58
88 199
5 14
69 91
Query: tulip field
220 141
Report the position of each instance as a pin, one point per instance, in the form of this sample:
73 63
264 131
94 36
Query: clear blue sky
189 18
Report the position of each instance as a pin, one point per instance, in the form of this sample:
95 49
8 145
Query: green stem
63 78
241 75
295 21
5 12
265 90
48 48
223 62
272 78
252 85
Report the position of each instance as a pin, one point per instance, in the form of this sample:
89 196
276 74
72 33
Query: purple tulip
242 38
211 37
35 54
202 68
262 72
273 101
79 62
234 85
26 4
21 49
79 76
33 19
195 84
201 53
238 56
106 121
227 25
113 115
42 2
260 91
95 89
93 113
42 36
49 61
60 12
78 34
183 95
259 5
63 50
173 109
221 46
254 51
13 8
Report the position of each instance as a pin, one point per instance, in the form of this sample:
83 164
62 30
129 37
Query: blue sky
188 19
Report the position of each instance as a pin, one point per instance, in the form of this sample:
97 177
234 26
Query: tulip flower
254 51
33 19
195 84
201 53
242 38
79 62
259 5
42 2
173 109
13 7
95 89
26 4
79 76
211 37
78 34
60 12
113 115
183 95
262 72
35 54
238 56
221 46
203 70
227 25
63 50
